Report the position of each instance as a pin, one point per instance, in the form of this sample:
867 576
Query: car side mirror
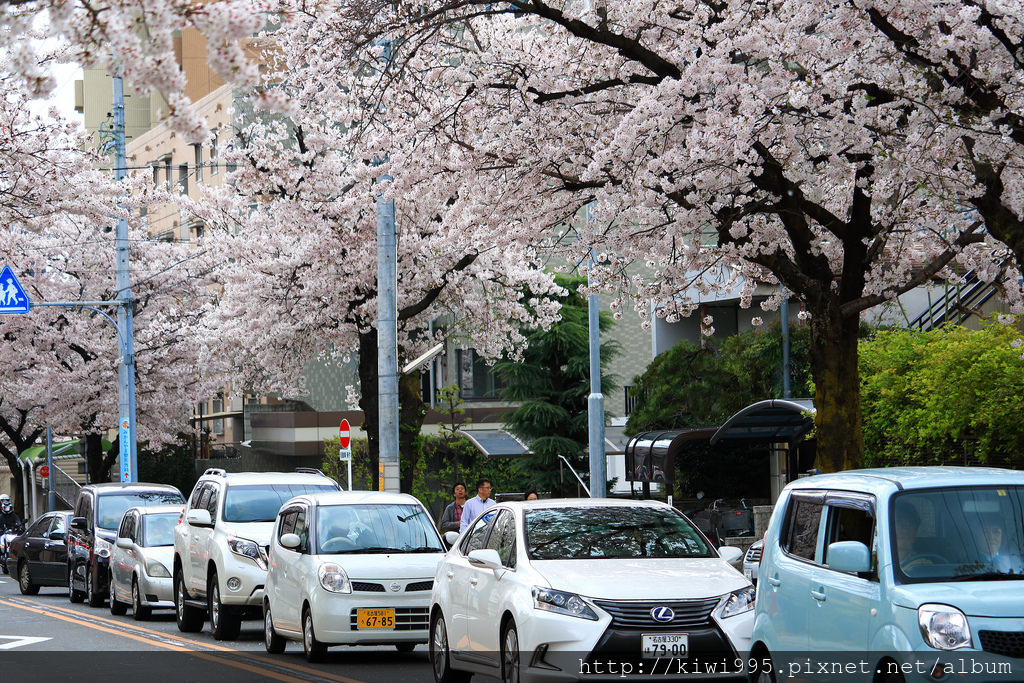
451 538
849 556
123 542
485 557
78 523
291 541
199 517
57 536
730 554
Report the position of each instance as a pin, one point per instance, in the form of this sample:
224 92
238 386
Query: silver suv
220 545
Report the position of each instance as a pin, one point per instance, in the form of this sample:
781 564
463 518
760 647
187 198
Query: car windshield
158 529
570 533
111 508
351 529
959 534
261 503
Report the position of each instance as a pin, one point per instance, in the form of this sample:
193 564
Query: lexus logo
663 614
395 586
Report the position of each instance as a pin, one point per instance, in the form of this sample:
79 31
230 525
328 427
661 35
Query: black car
39 557
98 512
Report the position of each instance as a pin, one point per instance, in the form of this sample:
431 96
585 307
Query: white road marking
19 641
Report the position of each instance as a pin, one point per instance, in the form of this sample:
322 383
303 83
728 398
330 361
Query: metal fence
64 486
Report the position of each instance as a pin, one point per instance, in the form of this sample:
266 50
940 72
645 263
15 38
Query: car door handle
451 574
818 595
774 581
474 581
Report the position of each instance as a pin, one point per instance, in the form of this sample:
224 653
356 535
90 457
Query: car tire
224 624
190 619
74 595
25 584
510 653
117 608
140 612
92 596
440 654
274 643
765 672
314 649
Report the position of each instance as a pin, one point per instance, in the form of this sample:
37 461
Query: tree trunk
410 421
368 401
838 424
95 459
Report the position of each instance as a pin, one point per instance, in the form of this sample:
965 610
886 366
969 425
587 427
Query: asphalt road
46 638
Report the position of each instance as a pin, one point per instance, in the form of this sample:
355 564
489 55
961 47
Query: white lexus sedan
350 568
575 589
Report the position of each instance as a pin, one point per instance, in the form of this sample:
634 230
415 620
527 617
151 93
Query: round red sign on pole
345 434
44 472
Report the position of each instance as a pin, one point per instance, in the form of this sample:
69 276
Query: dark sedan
39 557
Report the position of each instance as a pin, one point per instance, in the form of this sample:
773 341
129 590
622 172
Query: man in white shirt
474 506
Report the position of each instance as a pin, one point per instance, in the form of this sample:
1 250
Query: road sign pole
51 500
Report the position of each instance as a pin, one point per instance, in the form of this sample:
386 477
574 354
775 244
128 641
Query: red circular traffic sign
44 472
345 434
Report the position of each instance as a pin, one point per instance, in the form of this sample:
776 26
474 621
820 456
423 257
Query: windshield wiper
408 517
988 576
423 549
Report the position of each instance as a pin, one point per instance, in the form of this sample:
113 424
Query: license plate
665 645
749 573
375 618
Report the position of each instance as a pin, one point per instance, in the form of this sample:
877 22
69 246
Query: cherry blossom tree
749 139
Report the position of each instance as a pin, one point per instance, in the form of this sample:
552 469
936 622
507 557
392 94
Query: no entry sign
345 434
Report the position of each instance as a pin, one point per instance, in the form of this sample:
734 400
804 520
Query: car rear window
611 532
111 509
261 502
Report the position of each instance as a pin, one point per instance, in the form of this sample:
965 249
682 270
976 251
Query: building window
156 173
476 378
218 424
167 171
214 170
197 152
183 179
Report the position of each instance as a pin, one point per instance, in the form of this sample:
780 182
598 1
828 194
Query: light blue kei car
909 573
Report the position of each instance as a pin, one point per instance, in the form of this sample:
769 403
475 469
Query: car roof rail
310 470
215 471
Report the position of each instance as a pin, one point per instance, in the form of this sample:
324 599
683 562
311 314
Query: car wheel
25 580
74 595
274 643
765 672
440 654
140 612
315 650
510 654
189 618
94 597
117 608
224 624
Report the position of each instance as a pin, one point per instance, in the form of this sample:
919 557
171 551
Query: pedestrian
451 518
531 495
474 506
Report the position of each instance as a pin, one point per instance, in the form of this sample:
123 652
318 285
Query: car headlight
157 570
102 547
561 602
334 579
944 627
738 602
247 548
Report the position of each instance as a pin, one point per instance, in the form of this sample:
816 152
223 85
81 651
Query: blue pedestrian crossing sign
13 298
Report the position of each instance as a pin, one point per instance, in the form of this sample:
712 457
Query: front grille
420 586
406 619
367 587
688 613
1008 643
754 553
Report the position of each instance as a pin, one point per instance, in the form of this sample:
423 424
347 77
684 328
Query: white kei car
571 589
350 568
141 561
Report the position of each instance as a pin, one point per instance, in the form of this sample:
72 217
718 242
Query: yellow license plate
375 618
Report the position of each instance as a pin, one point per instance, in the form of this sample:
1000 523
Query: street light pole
595 401
125 322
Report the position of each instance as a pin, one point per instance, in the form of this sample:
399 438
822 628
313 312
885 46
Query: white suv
220 545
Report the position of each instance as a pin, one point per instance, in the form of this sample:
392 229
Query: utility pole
125 323
387 343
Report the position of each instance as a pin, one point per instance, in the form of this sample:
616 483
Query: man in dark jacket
452 515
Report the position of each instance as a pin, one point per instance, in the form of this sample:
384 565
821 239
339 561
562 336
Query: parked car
552 590
98 512
220 548
39 556
901 563
752 559
141 561
351 568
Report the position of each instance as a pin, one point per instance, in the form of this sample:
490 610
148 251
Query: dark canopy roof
777 419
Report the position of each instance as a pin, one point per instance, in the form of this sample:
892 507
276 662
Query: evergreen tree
551 386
